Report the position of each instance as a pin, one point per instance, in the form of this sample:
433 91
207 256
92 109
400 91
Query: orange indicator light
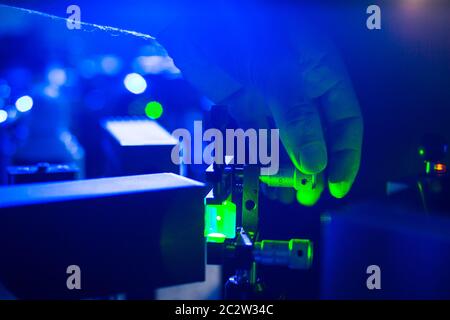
440 168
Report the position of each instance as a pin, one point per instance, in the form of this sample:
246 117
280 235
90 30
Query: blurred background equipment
127 234
41 172
137 146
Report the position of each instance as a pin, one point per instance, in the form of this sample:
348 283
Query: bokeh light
135 83
57 76
153 110
110 64
24 104
3 116
5 89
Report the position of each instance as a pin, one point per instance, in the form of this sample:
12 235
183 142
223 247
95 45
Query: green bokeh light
153 110
427 167
310 253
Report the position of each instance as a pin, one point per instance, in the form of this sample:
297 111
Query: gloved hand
273 64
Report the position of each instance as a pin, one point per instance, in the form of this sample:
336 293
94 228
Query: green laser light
220 221
288 178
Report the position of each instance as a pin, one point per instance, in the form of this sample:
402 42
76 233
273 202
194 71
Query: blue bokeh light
57 76
3 116
135 83
24 104
5 89
111 64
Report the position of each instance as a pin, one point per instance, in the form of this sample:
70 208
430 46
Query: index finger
345 130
